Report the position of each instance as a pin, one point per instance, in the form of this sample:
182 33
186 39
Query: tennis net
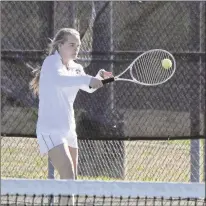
96 193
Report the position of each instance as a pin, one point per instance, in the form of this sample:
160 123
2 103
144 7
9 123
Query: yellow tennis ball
166 63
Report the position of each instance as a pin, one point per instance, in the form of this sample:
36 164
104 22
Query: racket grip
106 81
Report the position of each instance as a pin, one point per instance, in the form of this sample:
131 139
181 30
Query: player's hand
105 74
95 83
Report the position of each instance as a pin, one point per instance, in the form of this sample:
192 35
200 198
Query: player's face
70 48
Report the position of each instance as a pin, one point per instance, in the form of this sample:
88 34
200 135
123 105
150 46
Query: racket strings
152 64
164 72
148 68
152 68
159 74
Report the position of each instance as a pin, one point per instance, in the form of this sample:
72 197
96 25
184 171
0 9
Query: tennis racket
147 69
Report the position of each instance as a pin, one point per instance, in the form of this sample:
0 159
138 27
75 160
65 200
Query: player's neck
67 62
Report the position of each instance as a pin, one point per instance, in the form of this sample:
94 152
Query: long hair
59 38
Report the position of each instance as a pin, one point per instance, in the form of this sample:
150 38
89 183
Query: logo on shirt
78 71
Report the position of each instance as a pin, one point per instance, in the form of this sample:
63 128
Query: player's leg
74 156
61 159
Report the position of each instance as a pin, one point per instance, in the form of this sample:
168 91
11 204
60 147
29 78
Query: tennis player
57 84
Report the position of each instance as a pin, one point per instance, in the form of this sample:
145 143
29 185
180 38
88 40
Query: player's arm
101 75
52 71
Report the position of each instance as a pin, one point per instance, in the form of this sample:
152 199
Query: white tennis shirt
58 88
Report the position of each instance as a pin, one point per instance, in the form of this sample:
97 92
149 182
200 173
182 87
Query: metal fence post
203 64
50 176
50 169
195 160
195 112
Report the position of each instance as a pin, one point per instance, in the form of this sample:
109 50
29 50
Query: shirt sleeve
86 88
52 68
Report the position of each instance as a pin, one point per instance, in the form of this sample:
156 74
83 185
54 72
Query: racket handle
106 81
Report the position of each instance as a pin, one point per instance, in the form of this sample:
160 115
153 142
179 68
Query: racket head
147 69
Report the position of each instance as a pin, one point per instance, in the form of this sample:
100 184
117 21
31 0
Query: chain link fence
168 161
123 129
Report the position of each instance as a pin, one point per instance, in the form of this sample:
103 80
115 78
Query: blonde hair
59 38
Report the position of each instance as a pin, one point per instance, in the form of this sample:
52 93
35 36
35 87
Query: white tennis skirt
48 141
